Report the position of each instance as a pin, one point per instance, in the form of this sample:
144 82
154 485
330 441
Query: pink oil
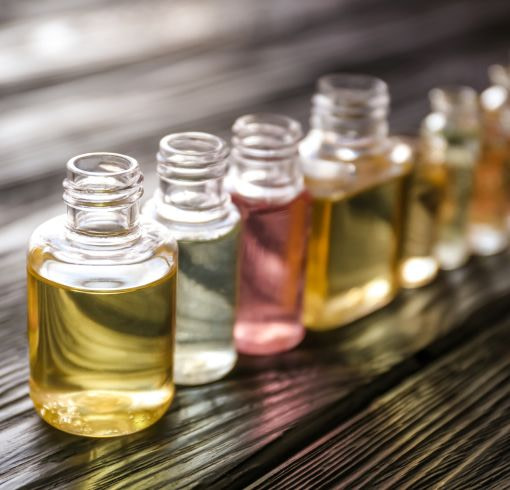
272 262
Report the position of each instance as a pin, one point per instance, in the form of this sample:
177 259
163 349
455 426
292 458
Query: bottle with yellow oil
450 139
101 294
357 177
419 265
491 193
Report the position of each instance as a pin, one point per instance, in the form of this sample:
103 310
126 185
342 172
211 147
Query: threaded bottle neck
454 110
265 155
500 75
352 109
102 193
191 168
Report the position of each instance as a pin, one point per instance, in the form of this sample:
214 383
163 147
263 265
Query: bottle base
416 272
101 413
349 306
267 338
205 366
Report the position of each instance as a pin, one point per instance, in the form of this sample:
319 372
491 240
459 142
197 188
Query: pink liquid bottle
267 187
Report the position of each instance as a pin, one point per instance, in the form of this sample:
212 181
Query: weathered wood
447 426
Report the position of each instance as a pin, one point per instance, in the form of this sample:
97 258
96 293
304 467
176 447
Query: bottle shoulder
228 224
342 171
103 264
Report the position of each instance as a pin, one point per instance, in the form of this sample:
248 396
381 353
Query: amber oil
101 306
357 177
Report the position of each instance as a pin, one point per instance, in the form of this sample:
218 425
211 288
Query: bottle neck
102 193
191 169
351 111
265 156
454 109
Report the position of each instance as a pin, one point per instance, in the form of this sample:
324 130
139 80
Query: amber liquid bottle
491 194
357 178
419 266
101 296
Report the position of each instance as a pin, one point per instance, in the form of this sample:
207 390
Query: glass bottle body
206 299
266 184
426 189
489 209
356 234
101 322
272 255
450 138
199 214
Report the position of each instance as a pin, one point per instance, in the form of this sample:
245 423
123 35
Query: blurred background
96 75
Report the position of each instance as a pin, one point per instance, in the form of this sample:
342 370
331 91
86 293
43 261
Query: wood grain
445 427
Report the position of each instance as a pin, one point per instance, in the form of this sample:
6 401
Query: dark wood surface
414 396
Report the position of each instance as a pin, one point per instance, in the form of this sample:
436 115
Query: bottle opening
347 89
193 148
266 131
453 98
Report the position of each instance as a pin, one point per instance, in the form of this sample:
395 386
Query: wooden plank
216 429
447 426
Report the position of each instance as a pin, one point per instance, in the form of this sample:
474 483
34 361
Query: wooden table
414 396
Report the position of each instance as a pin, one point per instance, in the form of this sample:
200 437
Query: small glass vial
357 177
101 293
192 203
450 137
267 186
489 209
419 266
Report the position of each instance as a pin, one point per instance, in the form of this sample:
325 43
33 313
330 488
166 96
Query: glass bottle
101 291
489 210
419 265
267 186
450 137
357 177
192 203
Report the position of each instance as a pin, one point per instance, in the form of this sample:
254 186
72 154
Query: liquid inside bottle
489 210
192 203
419 265
357 178
451 139
101 306
267 187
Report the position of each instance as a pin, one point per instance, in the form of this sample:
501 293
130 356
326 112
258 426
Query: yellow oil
426 191
354 252
101 360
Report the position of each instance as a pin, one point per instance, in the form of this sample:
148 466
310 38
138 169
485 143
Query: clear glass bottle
192 203
489 210
450 137
267 186
419 266
101 292
357 177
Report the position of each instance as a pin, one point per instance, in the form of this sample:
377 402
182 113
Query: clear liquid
353 254
206 302
419 265
460 157
273 250
100 359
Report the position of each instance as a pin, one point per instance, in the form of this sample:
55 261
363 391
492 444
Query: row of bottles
239 251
